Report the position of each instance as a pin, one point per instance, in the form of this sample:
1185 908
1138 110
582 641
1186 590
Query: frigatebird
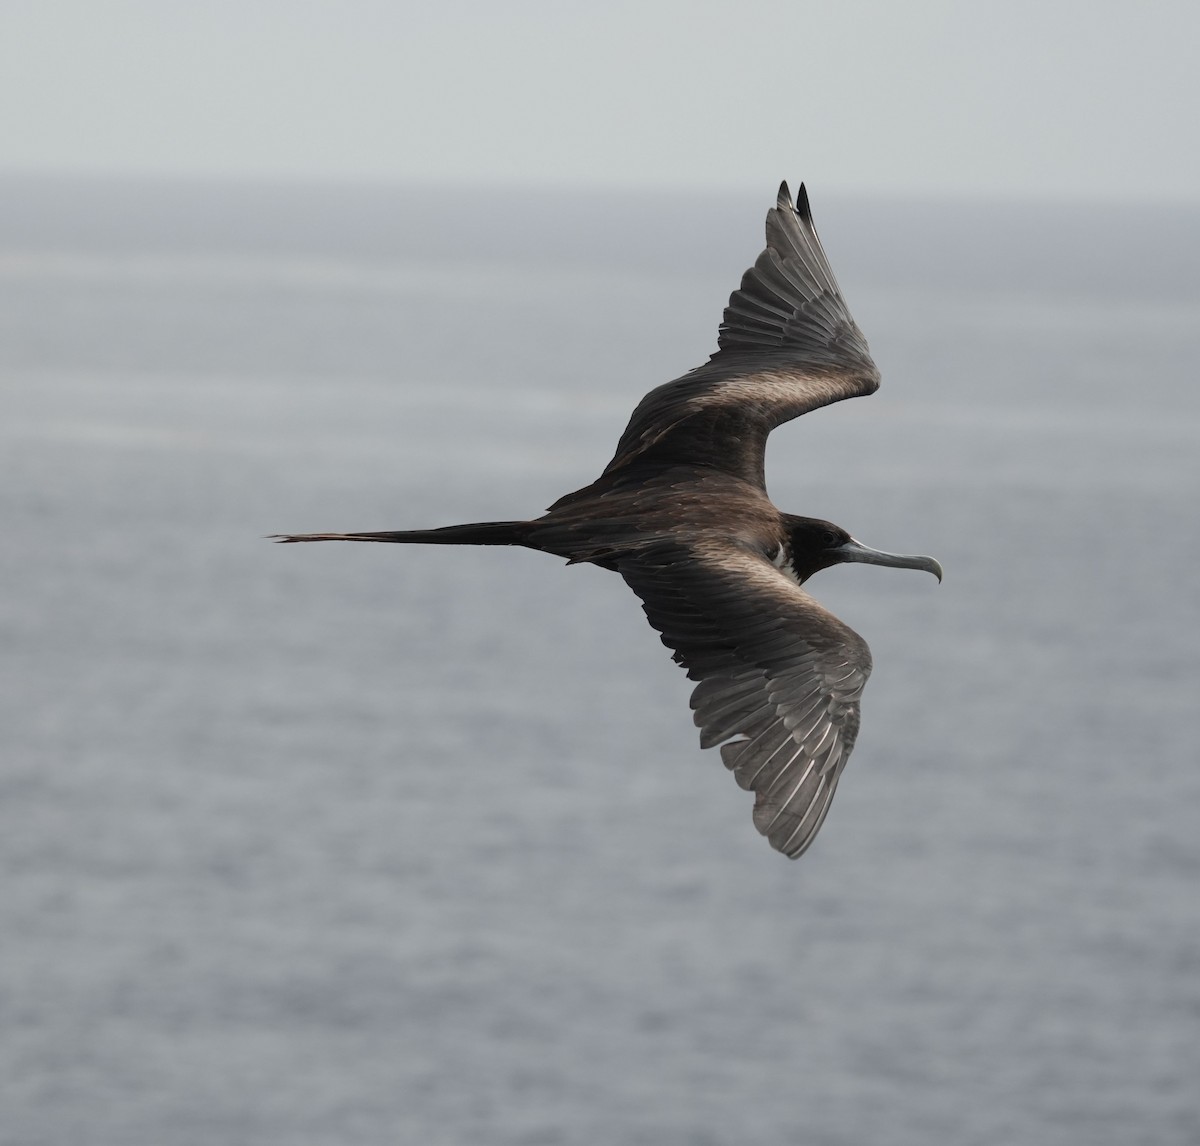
682 513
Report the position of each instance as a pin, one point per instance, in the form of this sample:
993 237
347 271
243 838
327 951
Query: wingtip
802 207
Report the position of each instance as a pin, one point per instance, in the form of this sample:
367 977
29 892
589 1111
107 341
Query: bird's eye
829 537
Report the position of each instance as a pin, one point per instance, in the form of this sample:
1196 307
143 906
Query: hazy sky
1048 99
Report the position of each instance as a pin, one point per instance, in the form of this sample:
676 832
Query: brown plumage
682 513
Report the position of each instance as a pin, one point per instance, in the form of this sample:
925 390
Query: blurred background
350 844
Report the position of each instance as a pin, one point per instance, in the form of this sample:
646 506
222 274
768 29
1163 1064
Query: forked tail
479 533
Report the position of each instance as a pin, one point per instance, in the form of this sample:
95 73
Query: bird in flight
682 514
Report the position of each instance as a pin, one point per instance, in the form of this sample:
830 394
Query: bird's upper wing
787 345
779 676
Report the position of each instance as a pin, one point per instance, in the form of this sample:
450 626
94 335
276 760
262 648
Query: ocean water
361 844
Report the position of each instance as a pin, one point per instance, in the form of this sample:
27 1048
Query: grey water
361 844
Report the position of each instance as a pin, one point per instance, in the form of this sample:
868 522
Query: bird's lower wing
780 677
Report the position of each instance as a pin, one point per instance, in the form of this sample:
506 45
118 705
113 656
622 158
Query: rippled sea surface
362 844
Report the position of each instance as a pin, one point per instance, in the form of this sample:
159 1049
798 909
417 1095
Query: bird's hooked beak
855 551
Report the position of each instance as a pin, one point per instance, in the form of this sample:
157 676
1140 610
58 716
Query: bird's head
817 544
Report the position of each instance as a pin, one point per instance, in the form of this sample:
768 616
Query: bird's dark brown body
626 513
682 513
